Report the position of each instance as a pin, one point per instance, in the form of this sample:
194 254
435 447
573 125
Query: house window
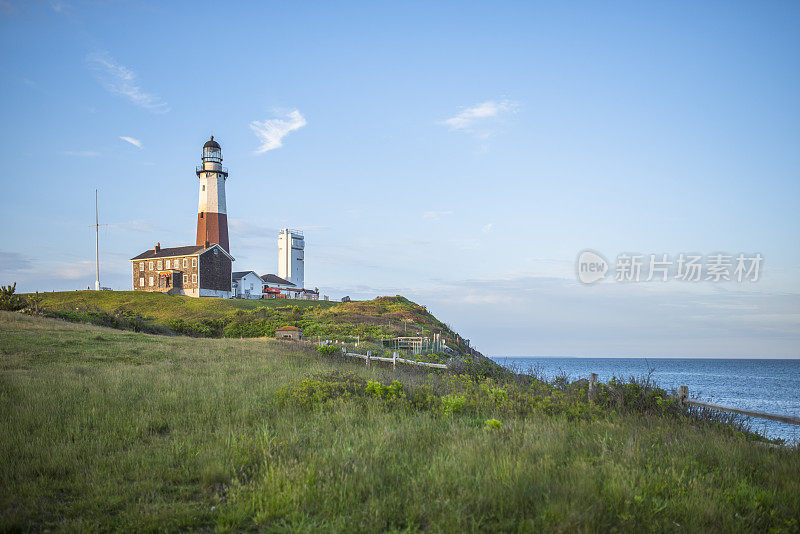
194 278
141 281
151 265
168 264
151 281
141 266
185 263
194 262
158 264
185 278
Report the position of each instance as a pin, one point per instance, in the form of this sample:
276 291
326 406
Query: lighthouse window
204 188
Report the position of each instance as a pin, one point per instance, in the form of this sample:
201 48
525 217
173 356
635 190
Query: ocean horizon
761 384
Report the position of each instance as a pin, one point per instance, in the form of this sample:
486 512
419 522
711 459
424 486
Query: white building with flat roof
291 246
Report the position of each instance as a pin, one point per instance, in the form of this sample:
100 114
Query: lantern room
212 152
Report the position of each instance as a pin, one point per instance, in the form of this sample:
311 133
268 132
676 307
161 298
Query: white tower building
290 256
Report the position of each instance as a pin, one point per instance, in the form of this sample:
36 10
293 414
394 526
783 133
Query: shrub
316 392
328 350
492 424
498 394
121 320
378 390
8 300
453 404
204 328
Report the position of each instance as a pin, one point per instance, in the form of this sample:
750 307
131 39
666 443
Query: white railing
394 360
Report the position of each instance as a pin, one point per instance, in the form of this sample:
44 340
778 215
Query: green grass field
113 430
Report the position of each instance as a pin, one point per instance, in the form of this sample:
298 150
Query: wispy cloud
81 153
13 261
135 142
486 229
272 131
121 80
481 119
435 215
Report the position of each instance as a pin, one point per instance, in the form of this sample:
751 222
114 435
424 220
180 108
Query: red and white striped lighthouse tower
212 215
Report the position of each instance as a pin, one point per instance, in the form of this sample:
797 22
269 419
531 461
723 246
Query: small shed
289 332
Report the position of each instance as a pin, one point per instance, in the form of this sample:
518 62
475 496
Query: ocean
771 386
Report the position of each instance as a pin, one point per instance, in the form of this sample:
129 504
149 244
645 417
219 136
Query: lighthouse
212 215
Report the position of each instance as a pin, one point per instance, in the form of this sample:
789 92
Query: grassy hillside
382 317
164 307
111 430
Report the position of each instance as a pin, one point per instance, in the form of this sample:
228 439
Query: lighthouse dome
211 143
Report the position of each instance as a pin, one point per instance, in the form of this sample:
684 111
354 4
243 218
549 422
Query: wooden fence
394 360
683 398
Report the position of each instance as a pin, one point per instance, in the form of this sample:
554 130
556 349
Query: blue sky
461 154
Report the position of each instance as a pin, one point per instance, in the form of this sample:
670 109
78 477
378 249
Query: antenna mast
96 243
97 226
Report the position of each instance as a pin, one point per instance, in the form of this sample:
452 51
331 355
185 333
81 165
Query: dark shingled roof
188 250
272 279
239 274
211 143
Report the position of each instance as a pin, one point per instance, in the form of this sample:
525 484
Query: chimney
158 247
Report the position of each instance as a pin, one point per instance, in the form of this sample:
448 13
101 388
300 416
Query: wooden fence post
683 394
394 360
369 355
592 387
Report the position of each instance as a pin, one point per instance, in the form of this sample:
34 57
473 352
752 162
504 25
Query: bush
121 320
204 328
314 393
378 390
453 404
8 300
328 350
492 424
